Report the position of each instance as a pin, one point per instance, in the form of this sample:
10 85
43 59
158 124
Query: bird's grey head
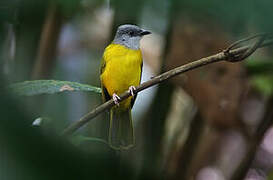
129 36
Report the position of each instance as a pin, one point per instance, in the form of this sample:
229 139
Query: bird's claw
116 99
132 90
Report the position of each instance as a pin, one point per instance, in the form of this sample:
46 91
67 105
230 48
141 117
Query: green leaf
264 84
37 87
259 66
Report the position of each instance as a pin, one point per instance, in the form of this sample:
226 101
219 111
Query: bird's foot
132 90
116 99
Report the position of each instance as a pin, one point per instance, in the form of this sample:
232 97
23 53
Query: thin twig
160 78
255 142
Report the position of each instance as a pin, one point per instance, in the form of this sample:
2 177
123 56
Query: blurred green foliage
261 75
40 156
259 66
68 7
233 16
264 84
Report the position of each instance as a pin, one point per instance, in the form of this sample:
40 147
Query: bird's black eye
131 33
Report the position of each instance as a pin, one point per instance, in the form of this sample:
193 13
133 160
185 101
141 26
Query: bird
121 70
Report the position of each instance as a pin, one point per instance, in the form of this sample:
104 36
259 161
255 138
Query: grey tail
121 131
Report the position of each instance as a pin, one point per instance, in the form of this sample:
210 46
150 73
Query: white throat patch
129 42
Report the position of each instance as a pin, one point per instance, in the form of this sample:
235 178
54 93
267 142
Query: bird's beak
144 32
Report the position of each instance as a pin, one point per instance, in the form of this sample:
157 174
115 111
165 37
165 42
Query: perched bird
121 70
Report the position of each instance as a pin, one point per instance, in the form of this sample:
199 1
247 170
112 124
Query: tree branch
229 55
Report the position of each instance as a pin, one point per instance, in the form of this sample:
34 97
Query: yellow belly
122 70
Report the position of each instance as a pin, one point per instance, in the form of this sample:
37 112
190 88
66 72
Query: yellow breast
122 69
